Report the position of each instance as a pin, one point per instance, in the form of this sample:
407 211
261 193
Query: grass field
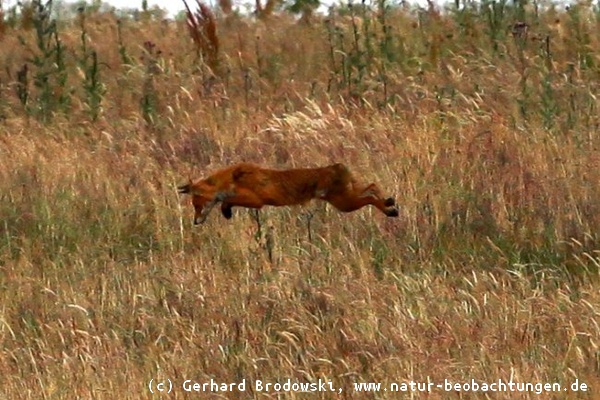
482 121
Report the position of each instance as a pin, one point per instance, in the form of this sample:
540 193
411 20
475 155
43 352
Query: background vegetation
481 118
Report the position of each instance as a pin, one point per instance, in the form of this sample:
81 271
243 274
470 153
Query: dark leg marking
226 210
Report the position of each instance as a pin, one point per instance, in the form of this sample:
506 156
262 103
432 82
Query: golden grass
202 26
491 271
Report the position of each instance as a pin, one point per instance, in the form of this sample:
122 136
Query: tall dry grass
488 141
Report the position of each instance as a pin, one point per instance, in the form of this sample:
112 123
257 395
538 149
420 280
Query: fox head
200 199
204 198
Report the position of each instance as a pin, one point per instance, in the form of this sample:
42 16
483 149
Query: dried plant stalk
203 30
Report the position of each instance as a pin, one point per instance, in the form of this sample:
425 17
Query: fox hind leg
386 205
374 191
351 200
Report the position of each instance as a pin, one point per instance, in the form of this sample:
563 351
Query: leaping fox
249 185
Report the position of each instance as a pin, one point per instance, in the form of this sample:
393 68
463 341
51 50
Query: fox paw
389 202
392 212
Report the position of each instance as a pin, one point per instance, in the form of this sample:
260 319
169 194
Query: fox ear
186 189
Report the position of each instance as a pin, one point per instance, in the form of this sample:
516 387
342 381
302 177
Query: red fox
251 186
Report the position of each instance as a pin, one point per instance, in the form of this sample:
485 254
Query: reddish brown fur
251 186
